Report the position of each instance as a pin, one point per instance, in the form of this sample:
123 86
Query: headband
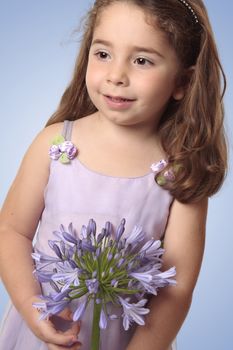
189 7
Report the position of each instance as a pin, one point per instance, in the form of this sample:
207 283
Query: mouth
119 98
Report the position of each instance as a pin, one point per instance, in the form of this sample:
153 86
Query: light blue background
36 63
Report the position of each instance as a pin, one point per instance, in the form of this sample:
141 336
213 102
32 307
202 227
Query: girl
145 91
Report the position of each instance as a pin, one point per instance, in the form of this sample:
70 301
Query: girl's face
132 69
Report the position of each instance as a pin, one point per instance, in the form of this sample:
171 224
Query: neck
135 135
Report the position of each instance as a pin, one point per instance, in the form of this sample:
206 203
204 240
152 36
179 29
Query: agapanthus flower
106 268
133 312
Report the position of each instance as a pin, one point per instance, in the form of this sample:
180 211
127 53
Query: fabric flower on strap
167 176
62 150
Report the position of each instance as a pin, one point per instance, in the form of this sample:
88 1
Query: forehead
127 22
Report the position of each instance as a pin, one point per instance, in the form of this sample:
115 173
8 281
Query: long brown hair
191 130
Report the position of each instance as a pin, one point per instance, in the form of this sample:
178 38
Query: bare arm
184 247
19 218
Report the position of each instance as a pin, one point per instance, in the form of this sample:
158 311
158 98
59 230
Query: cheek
159 85
93 75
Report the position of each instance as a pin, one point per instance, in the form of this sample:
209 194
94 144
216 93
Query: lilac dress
75 194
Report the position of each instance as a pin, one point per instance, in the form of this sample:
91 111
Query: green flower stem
95 337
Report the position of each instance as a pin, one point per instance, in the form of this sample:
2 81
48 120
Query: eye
141 61
102 55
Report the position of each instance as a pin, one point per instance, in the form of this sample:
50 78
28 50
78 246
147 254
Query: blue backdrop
36 62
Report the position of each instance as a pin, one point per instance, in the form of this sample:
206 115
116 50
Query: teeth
118 99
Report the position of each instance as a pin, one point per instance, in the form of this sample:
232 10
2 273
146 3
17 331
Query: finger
74 328
52 336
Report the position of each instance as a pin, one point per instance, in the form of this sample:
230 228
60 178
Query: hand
58 332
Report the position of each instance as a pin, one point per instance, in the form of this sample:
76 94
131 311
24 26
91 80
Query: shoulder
38 150
44 138
36 158
25 200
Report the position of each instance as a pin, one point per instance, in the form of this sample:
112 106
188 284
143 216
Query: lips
118 98
118 103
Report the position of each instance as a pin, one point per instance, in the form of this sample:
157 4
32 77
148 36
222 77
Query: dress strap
61 149
67 129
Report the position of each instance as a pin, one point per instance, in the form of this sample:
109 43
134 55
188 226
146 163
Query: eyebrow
135 48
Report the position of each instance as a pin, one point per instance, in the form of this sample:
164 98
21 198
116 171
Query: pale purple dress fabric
75 194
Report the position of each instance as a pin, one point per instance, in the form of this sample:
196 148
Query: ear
182 83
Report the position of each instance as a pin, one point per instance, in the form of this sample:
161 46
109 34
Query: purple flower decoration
168 175
62 150
55 152
68 148
159 166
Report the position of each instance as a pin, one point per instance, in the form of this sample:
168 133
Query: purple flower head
136 236
67 277
80 310
152 249
164 279
98 251
130 265
44 258
43 276
103 320
94 274
92 285
114 283
100 237
61 295
108 227
68 148
65 237
58 234
62 247
133 312
87 246
101 269
128 249
72 264
91 228
120 230
120 245
84 232
153 278
50 307
120 262
54 286
55 248
110 243
55 152
113 317
69 238
109 256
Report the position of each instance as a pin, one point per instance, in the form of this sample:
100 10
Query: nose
117 74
